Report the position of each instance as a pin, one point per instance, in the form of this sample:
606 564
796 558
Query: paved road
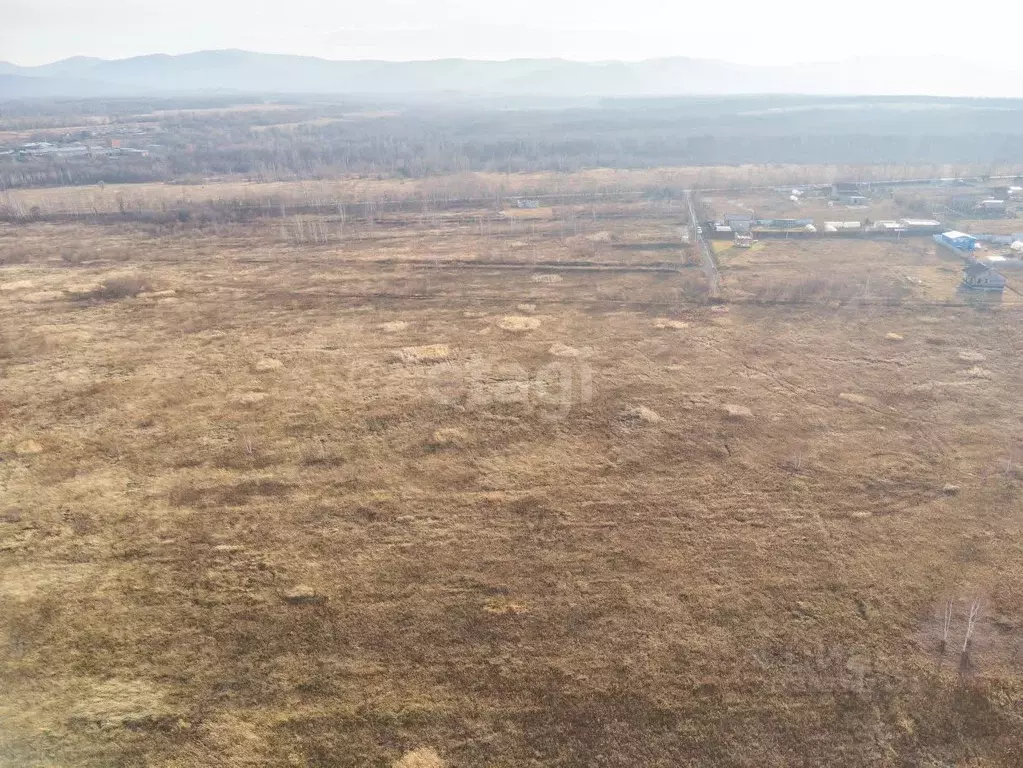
710 267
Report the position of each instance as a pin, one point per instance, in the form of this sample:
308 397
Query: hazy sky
748 31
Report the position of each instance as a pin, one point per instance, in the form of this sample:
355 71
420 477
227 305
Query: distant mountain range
234 71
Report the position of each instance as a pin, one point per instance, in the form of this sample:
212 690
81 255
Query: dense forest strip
331 139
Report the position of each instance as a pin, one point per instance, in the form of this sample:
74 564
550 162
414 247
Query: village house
980 277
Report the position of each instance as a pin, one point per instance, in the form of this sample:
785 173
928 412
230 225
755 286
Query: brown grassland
359 188
466 489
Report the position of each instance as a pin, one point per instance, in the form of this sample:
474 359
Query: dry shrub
302 594
15 256
642 415
122 287
71 255
547 278
229 495
694 287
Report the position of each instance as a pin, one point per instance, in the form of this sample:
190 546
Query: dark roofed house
849 192
980 277
739 221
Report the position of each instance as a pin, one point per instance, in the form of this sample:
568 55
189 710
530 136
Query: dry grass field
912 270
467 489
776 204
352 189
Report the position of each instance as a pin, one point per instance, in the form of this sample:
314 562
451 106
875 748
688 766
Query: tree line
312 141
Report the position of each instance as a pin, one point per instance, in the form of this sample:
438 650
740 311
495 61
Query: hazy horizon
578 60
37 32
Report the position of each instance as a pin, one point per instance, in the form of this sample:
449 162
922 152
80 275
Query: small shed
921 225
888 227
981 277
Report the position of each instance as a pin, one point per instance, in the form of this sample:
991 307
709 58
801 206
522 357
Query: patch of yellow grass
41 297
529 213
518 323
976 372
424 757
449 437
28 448
503 607
969 356
114 702
427 353
563 350
664 322
250 398
737 411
